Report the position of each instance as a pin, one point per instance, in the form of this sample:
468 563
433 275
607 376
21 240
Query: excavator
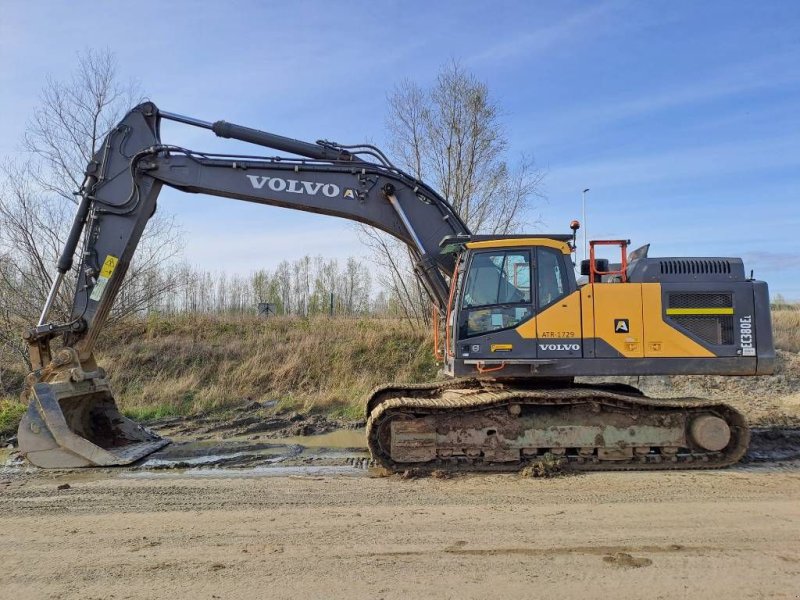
515 327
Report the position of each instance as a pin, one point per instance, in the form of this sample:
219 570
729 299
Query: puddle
261 471
195 460
341 438
12 463
340 449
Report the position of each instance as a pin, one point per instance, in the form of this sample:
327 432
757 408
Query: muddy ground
254 504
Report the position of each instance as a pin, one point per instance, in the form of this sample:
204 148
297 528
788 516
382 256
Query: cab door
558 307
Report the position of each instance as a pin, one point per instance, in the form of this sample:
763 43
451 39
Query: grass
11 411
786 327
195 363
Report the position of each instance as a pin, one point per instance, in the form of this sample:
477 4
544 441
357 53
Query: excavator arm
69 395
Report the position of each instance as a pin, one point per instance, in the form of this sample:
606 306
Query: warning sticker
105 274
108 266
622 326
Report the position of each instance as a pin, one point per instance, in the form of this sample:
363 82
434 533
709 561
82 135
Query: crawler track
480 425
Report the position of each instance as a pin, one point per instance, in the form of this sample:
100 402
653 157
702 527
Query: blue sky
682 117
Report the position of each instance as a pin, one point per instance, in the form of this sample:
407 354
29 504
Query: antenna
585 225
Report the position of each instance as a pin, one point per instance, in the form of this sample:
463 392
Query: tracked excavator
515 326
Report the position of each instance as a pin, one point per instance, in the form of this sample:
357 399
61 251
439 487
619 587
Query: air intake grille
703 300
695 266
716 330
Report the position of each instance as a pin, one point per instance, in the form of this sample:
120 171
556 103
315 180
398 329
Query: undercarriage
480 425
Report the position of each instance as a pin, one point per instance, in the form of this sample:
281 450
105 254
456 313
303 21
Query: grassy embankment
199 363
189 364
196 363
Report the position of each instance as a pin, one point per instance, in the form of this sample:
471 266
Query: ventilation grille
695 266
717 330
704 300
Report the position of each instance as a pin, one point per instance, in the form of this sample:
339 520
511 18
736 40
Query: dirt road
718 534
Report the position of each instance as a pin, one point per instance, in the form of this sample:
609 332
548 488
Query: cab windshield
498 278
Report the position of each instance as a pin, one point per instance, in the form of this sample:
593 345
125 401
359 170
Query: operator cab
502 283
510 280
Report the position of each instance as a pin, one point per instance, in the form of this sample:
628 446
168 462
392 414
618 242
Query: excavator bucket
71 425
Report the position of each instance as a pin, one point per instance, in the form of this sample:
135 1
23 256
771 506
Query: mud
252 421
625 560
228 441
254 504
248 472
214 444
235 515
773 444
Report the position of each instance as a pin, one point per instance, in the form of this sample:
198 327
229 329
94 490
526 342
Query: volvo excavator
517 325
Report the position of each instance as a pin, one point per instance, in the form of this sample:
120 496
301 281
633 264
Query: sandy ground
720 534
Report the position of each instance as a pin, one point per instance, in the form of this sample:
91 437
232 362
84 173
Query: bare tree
37 196
73 117
450 136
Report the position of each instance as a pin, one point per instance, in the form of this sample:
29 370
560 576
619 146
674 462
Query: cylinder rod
184 119
51 298
404 218
280 142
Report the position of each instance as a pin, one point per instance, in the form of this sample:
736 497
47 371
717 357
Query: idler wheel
710 433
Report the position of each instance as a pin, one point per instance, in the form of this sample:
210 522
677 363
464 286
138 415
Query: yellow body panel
613 301
563 246
660 339
527 329
562 320
587 312
592 312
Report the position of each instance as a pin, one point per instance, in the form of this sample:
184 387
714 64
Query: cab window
551 278
497 294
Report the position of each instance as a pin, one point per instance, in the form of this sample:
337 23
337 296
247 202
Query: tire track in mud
772 449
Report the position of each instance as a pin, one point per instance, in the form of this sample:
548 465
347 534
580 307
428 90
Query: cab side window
551 283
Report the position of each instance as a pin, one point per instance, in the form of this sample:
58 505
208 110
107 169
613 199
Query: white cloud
543 38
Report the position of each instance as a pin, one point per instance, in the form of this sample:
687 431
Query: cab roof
457 243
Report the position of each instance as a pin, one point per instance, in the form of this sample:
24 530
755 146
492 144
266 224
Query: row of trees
304 287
